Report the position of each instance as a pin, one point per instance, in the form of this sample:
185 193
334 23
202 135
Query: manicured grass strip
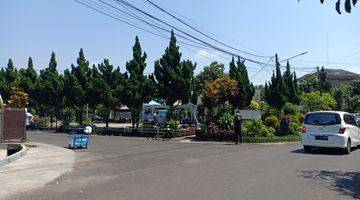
274 139
255 139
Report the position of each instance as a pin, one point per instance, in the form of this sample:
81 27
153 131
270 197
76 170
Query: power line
206 35
191 36
323 62
103 11
262 68
225 37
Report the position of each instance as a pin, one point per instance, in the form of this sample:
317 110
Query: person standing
238 128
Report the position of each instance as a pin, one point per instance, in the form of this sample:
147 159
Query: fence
13 125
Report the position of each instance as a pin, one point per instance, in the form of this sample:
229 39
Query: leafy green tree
340 94
310 84
209 74
246 90
353 99
275 92
76 85
173 76
315 101
220 91
324 84
348 4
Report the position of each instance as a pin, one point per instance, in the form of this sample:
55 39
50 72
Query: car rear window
322 119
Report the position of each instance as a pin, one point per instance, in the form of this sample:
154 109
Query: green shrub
254 105
272 131
272 122
86 121
298 118
285 126
290 109
295 128
255 127
226 121
268 111
318 101
67 115
173 125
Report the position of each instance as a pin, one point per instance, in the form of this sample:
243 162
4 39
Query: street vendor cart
79 138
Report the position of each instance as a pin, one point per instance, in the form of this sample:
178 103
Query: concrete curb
14 157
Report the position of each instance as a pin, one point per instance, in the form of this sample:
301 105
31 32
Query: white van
330 129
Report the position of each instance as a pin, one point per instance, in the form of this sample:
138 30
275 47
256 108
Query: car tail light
342 130
303 129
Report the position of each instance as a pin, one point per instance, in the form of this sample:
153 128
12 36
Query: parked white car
330 129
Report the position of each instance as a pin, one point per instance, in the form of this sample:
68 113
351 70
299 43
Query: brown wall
13 125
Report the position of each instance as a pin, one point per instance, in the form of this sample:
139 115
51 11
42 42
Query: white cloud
207 54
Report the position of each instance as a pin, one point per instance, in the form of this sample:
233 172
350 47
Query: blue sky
288 27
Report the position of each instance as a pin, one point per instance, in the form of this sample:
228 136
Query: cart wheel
69 146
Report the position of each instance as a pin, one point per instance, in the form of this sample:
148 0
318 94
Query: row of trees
83 85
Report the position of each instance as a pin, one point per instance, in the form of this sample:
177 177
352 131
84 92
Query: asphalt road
140 169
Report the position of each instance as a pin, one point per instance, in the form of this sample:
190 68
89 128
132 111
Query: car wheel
348 147
307 149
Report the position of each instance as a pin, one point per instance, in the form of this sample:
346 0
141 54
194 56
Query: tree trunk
80 116
107 116
93 117
170 115
51 119
133 117
137 118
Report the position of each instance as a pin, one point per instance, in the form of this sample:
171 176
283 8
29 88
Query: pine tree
276 96
295 97
246 89
324 85
291 85
134 84
49 89
172 75
53 63
10 72
110 78
27 82
77 82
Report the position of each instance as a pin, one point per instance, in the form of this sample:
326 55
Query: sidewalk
42 164
2 153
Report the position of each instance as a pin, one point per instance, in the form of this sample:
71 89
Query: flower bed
146 132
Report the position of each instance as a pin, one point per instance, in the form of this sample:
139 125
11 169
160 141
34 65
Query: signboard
249 114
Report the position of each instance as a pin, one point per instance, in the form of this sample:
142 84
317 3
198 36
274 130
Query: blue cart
78 139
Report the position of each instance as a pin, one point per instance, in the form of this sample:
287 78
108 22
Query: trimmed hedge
230 136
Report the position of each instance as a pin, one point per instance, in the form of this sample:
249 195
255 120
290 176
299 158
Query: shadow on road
322 151
346 183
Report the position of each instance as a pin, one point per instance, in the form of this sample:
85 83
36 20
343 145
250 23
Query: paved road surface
139 169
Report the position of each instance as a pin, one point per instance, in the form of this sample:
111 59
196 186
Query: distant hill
336 76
